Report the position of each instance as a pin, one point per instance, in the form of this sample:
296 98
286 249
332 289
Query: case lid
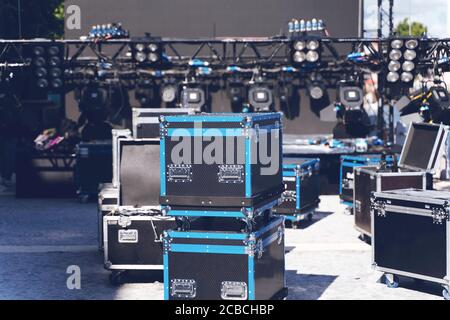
415 195
423 146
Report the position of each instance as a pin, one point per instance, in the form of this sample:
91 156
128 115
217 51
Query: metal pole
19 18
391 17
380 19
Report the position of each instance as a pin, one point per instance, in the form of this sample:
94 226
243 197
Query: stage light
394 66
395 54
408 66
312 45
402 64
316 92
145 93
140 56
392 77
350 96
147 51
410 55
53 51
318 95
312 56
47 64
407 77
153 57
140 47
397 44
193 98
260 98
299 45
299 56
153 47
38 51
412 44
169 93
41 72
306 51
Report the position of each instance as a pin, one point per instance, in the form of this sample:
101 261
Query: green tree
38 19
405 28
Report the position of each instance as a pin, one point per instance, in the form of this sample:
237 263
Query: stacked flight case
132 231
416 165
301 178
411 236
230 246
348 164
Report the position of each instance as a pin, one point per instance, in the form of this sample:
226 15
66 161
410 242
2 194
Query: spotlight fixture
47 65
318 95
236 93
169 93
402 63
193 97
306 50
147 51
146 93
440 105
260 98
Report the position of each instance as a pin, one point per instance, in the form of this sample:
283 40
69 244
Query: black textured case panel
209 270
410 243
139 173
147 251
366 183
222 183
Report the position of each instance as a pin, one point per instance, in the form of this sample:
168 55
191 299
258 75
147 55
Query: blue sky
433 13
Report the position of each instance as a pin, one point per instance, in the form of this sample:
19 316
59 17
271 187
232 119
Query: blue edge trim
218 249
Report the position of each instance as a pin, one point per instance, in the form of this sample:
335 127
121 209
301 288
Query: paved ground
40 239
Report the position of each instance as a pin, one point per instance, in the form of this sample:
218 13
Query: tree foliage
39 18
405 28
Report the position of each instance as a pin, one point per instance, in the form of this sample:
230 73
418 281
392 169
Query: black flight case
411 236
221 160
301 178
418 159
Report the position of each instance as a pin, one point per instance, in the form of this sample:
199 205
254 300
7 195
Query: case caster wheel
295 225
391 280
309 217
116 278
288 224
445 294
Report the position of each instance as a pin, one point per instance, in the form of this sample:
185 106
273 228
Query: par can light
312 56
140 56
316 92
299 45
410 55
38 51
153 47
299 56
408 66
392 77
407 77
312 45
397 44
395 54
168 93
140 47
394 66
411 44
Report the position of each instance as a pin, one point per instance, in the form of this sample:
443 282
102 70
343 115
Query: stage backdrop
207 18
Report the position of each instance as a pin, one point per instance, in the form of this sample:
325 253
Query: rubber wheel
295 225
309 217
393 284
445 294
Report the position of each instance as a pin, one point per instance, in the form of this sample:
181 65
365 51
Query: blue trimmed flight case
245 166
301 179
206 265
